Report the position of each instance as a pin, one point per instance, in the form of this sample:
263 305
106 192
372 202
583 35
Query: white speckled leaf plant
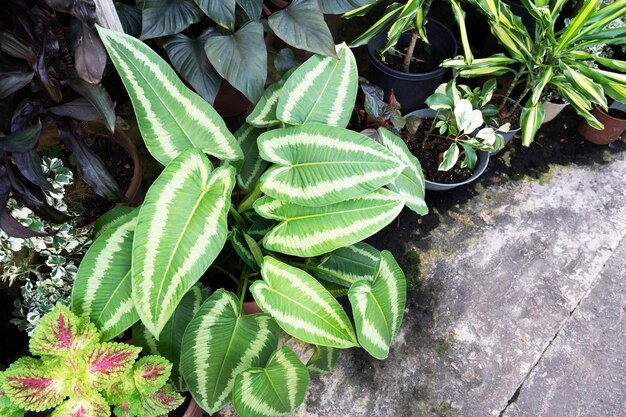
313 187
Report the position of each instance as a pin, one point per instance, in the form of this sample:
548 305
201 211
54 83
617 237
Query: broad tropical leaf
342 6
252 166
323 360
312 231
111 218
319 165
221 12
347 265
410 184
171 117
167 17
102 289
322 90
302 25
62 333
220 343
302 306
264 113
32 386
180 231
171 338
275 390
378 306
241 58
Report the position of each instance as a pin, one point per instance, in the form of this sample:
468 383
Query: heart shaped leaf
167 17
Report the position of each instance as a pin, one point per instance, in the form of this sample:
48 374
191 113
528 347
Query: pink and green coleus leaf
7 408
163 401
92 405
34 386
106 362
62 333
151 373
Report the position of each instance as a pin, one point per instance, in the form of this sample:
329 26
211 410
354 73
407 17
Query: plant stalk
245 274
406 62
238 219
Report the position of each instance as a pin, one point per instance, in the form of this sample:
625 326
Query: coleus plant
314 191
78 375
42 84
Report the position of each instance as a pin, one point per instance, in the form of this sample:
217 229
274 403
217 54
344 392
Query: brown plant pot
613 128
251 307
193 409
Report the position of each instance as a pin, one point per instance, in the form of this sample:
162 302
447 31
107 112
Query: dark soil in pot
424 60
618 114
506 115
430 155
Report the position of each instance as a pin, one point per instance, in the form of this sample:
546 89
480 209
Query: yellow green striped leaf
578 102
170 341
219 343
323 360
274 390
171 117
180 231
102 290
545 78
378 306
312 231
585 86
347 265
264 113
252 166
322 90
410 185
575 26
389 16
530 122
302 306
318 165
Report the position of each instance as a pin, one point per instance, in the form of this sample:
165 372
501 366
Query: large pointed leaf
378 306
21 141
323 360
170 116
249 170
10 82
264 113
221 12
180 231
342 6
89 55
322 90
274 390
99 98
171 338
190 60
241 58
62 333
312 231
253 8
302 25
34 387
410 183
102 288
347 265
167 17
220 343
530 122
320 165
302 306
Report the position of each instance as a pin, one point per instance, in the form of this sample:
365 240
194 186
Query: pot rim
608 116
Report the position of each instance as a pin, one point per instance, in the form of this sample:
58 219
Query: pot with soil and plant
451 139
613 120
406 50
552 103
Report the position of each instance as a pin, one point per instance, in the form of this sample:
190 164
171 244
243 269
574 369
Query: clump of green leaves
76 374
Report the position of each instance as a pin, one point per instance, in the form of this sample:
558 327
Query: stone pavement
518 301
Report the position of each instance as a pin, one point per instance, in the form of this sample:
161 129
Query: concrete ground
517 304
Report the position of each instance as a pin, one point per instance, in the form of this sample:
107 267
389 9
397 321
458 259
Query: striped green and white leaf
312 231
347 265
264 113
219 344
530 122
170 341
302 306
317 165
323 360
322 90
273 391
247 248
180 231
410 184
171 117
111 218
252 166
378 306
102 289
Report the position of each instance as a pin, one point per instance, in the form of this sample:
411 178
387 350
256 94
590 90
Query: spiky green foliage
78 375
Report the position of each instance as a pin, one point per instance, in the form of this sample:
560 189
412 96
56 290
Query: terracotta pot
613 128
251 307
551 110
193 410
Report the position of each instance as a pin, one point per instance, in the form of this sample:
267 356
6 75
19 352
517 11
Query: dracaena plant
558 59
208 41
463 117
43 84
76 374
314 191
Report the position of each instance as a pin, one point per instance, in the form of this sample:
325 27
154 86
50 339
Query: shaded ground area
517 304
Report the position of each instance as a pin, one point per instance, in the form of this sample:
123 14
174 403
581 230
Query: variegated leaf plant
77 375
312 190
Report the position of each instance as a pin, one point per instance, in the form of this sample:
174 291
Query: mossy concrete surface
517 304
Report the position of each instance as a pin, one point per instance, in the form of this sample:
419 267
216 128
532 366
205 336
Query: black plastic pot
412 89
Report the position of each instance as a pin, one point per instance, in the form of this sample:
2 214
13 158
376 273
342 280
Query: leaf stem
245 274
225 272
238 219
